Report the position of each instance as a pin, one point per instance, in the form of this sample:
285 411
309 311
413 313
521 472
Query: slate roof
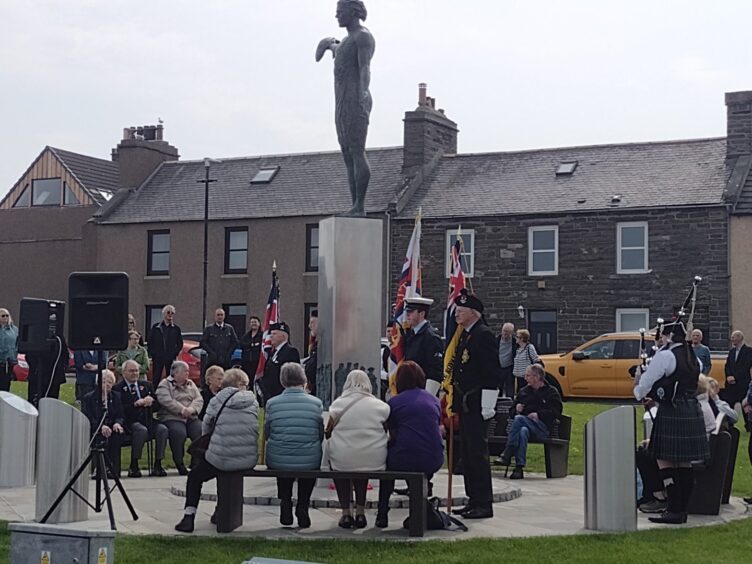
93 173
657 174
306 184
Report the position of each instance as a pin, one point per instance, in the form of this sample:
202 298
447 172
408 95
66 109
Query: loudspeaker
98 316
39 321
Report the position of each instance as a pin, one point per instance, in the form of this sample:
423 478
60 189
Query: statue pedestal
350 308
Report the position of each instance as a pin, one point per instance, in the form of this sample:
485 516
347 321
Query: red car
21 370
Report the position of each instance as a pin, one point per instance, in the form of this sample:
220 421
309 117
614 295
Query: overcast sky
238 77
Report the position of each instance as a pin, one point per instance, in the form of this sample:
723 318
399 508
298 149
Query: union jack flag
409 286
270 317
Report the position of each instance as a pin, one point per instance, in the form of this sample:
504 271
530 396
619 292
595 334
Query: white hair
358 380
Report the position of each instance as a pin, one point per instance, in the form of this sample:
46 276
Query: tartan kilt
679 432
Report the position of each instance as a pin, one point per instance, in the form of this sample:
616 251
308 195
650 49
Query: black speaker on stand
98 320
40 322
98 316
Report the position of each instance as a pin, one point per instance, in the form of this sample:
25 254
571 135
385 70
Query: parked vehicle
600 367
190 354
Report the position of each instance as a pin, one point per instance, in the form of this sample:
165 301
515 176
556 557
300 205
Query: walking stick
450 464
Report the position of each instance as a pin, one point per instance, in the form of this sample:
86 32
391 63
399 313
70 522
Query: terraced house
570 242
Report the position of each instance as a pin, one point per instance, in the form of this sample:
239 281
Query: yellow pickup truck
600 367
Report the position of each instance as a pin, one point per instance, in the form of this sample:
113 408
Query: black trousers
202 472
386 488
734 393
475 464
6 369
507 382
344 492
305 489
158 368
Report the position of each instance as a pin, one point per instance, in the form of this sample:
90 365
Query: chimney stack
428 133
140 152
738 124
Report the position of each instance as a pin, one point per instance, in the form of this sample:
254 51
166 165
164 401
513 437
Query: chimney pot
422 90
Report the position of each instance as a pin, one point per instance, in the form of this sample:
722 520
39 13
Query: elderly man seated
139 405
537 406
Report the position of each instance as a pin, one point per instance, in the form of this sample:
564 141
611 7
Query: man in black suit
110 427
738 365
139 404
219 341
282 352
476 375
165 343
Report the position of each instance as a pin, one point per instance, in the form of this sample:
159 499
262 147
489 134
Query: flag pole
450 464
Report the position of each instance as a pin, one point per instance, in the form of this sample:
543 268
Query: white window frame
622 310
619 249
531 251
450 238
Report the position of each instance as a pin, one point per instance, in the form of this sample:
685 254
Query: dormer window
46 192
265 175
566 168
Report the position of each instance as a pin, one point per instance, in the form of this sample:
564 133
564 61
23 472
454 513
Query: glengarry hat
465 299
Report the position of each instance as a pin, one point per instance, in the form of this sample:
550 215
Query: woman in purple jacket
415 443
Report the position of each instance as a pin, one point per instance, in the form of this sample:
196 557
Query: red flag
270 317
409 286
456 284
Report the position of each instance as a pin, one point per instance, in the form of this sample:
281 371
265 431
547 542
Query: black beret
281 326
465 299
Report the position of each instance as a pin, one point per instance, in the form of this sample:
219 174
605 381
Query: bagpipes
664 390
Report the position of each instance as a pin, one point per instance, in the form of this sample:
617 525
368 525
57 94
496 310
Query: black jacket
165 342
219 344
270 385
131 413
427 349
91 406
251 347
475 367
310 368
739 367
544 401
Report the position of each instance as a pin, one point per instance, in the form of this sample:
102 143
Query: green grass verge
723 543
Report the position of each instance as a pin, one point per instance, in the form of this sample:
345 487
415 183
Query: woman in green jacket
133 352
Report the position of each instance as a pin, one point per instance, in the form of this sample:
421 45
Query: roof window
566 168
265 175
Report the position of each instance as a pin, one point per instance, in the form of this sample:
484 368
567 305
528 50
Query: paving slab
535 507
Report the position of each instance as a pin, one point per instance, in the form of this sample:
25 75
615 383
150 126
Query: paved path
545 507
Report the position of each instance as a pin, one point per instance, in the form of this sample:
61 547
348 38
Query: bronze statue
352 99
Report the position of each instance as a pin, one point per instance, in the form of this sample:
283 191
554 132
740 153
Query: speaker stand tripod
102 464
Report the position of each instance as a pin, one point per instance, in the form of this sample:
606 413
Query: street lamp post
206 180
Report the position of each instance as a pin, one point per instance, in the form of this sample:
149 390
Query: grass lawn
725 543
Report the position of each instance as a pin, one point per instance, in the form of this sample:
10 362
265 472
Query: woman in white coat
357 442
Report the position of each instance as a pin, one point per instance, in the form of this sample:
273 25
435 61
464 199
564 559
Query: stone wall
587 290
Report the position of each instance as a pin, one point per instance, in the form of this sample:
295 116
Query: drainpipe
387 285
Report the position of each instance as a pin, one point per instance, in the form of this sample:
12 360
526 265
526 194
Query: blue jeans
522 429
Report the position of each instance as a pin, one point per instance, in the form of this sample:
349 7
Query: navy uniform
475 376
678 434
424 346
270 384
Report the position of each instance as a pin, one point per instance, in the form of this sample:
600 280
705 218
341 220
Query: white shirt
662 364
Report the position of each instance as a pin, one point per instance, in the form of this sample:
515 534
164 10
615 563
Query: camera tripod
102 465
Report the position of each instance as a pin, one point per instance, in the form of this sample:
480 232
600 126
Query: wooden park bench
229 513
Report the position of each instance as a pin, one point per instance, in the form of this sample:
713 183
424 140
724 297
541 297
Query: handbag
198 448
334 420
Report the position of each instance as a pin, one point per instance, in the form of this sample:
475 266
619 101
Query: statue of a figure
352 99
